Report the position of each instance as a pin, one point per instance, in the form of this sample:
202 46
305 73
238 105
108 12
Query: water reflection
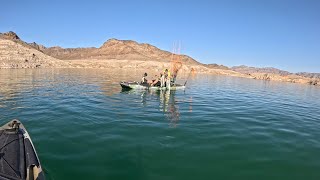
166 100
169 107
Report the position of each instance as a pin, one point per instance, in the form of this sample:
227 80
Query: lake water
85 127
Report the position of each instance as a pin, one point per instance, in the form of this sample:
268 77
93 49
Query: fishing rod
188 77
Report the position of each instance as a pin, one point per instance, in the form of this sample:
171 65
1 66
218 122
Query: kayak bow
18 157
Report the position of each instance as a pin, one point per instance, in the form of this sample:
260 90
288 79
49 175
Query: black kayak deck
18 158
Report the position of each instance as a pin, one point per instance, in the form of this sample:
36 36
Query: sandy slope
15 55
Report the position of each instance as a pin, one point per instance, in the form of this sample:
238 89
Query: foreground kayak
137 85
18 157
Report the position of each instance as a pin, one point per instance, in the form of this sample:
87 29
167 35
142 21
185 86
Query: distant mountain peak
114 41
10 35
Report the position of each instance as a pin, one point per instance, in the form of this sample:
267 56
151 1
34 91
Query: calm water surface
85 127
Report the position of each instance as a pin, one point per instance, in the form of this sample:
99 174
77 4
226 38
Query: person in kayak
167 76
144 79
157 80
162 80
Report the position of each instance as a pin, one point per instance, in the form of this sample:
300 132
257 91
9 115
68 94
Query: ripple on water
85 127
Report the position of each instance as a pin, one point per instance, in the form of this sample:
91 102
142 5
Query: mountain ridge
118 49
271 70
115 53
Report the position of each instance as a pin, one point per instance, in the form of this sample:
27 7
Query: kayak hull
19 158
137 85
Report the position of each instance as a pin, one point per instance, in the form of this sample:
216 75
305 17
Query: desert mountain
112 54
309 75
14 53
268 70
217 66
270 73
12 36
117 50
9 35
113 49
126 54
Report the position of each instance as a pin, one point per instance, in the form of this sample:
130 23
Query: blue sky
280 33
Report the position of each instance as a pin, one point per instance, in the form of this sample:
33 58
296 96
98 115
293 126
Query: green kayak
137 85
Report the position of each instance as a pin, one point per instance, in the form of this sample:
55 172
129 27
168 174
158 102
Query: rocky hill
309 75
269 73
15 53
9 35
217 66
118 50
268 70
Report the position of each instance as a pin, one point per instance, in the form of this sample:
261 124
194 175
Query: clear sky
280 33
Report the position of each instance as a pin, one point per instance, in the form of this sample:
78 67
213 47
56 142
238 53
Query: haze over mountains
115 53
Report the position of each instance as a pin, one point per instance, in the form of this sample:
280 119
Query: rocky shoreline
127 55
